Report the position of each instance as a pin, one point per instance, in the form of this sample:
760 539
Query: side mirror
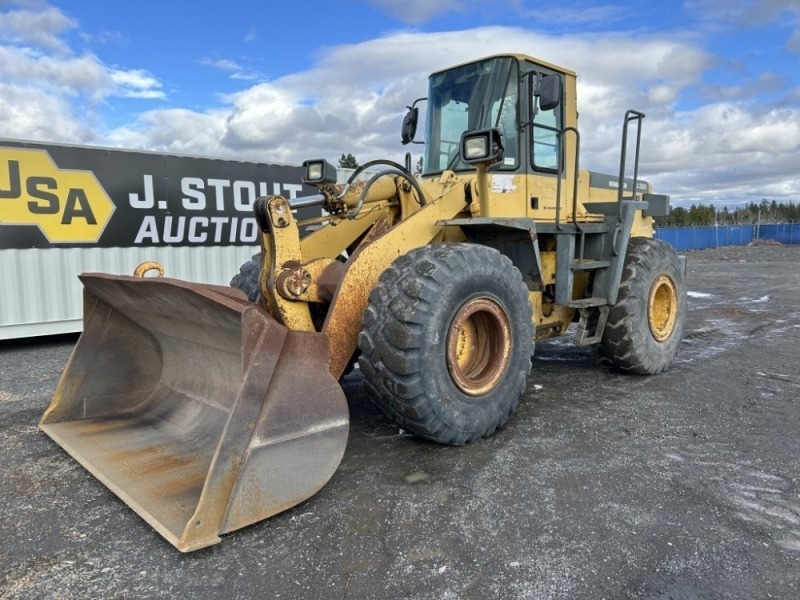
409 128
549 92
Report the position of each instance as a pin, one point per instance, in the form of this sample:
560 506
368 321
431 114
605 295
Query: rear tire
446 341
247 278
645 326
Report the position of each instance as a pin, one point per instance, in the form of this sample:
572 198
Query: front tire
645 326
247 279
446 341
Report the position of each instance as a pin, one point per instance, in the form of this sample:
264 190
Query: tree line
698 215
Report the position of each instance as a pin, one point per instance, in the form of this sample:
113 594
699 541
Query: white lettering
232 233
292 188
245 205
218 223
197 230
249 232
194 236
169 237
219 185
193 198
147 230
149 197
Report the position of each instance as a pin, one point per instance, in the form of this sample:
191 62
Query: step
587 265
587 302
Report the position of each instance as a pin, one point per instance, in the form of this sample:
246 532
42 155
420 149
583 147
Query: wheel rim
478 346
662 308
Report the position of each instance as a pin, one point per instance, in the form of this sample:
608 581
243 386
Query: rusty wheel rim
662 308
478 346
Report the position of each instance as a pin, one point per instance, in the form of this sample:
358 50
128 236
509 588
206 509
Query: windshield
474 96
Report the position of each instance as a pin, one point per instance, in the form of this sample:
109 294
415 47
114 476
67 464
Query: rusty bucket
195 407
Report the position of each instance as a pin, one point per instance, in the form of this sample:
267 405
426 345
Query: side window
504 116
454 119
545 145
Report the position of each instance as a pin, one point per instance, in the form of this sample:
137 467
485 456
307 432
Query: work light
318 171
481 145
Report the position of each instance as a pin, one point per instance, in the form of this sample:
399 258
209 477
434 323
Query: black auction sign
75 196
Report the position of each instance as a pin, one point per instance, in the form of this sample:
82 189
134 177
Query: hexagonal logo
68 206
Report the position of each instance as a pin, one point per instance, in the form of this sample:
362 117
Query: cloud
83 75
40 27
51 92
233 68
574 14
727 153
794 42
420 11
135 83
104 37
70 75
174 130
416 12
222 64
734 145
353 98
745 14
34 114
746 89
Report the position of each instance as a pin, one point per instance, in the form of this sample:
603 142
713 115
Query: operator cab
520 99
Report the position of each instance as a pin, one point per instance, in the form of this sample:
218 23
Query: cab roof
520 57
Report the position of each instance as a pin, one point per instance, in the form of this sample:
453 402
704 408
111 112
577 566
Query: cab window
545 146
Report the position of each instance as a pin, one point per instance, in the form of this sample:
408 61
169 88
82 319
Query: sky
719 80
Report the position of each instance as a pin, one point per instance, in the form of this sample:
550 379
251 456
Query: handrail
575 177
630 115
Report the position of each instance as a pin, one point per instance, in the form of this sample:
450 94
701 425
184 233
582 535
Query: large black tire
645 326
446 341
247 278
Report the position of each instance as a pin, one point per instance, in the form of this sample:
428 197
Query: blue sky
719 80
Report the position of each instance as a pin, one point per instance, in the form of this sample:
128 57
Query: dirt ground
683 485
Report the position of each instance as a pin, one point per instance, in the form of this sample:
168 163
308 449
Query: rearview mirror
549 92
409 126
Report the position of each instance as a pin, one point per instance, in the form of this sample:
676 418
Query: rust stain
329 280
291 283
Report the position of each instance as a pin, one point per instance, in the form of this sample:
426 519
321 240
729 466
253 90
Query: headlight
476 147
318 172
314 171
481 145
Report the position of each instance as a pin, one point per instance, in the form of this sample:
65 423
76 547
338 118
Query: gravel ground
602 485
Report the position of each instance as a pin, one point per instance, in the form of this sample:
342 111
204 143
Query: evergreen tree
348 161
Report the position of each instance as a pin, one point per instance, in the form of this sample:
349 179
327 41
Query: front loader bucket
197 408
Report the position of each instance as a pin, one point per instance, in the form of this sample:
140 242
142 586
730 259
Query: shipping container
65 210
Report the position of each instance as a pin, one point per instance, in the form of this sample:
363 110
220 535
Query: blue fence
698 238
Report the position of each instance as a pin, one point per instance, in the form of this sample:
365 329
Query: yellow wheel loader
208 408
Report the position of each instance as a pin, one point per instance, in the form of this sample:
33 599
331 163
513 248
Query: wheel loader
209 408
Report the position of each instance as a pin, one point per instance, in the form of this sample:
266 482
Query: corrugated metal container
69 209
40 293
